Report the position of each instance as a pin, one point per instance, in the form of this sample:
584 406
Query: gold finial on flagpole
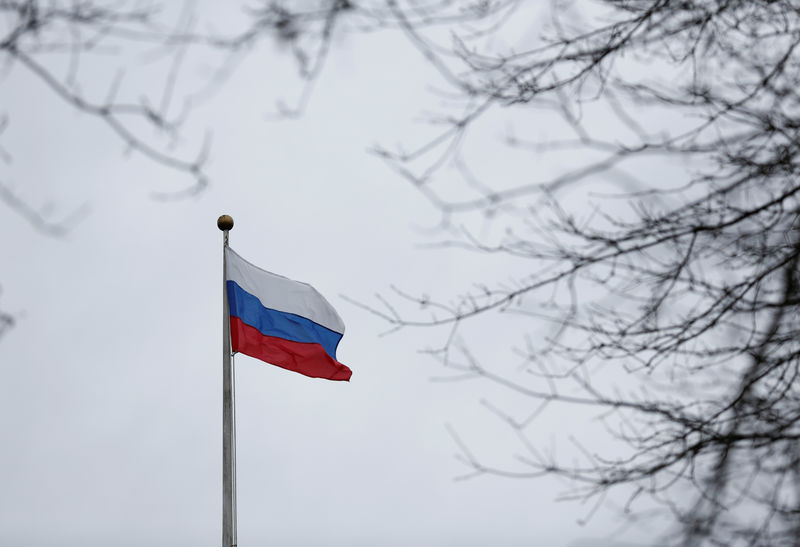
225 223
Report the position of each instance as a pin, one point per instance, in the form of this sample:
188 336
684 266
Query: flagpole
225 223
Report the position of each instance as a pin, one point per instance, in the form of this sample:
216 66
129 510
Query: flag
283 322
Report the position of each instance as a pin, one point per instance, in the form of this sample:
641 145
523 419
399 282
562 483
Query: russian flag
283 322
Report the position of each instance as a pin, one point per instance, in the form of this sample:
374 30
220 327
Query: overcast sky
110 397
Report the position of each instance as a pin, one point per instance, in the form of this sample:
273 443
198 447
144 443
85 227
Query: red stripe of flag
308 359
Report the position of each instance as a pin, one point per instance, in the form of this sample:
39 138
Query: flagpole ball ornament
225 223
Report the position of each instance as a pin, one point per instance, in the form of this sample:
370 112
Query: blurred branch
685 290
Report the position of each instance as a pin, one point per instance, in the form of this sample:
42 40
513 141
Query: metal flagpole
225 223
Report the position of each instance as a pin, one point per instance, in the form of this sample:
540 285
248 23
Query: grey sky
110 392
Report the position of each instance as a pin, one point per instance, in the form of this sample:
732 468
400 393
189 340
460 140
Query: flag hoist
277 320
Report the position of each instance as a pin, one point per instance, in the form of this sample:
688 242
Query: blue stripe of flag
285 325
